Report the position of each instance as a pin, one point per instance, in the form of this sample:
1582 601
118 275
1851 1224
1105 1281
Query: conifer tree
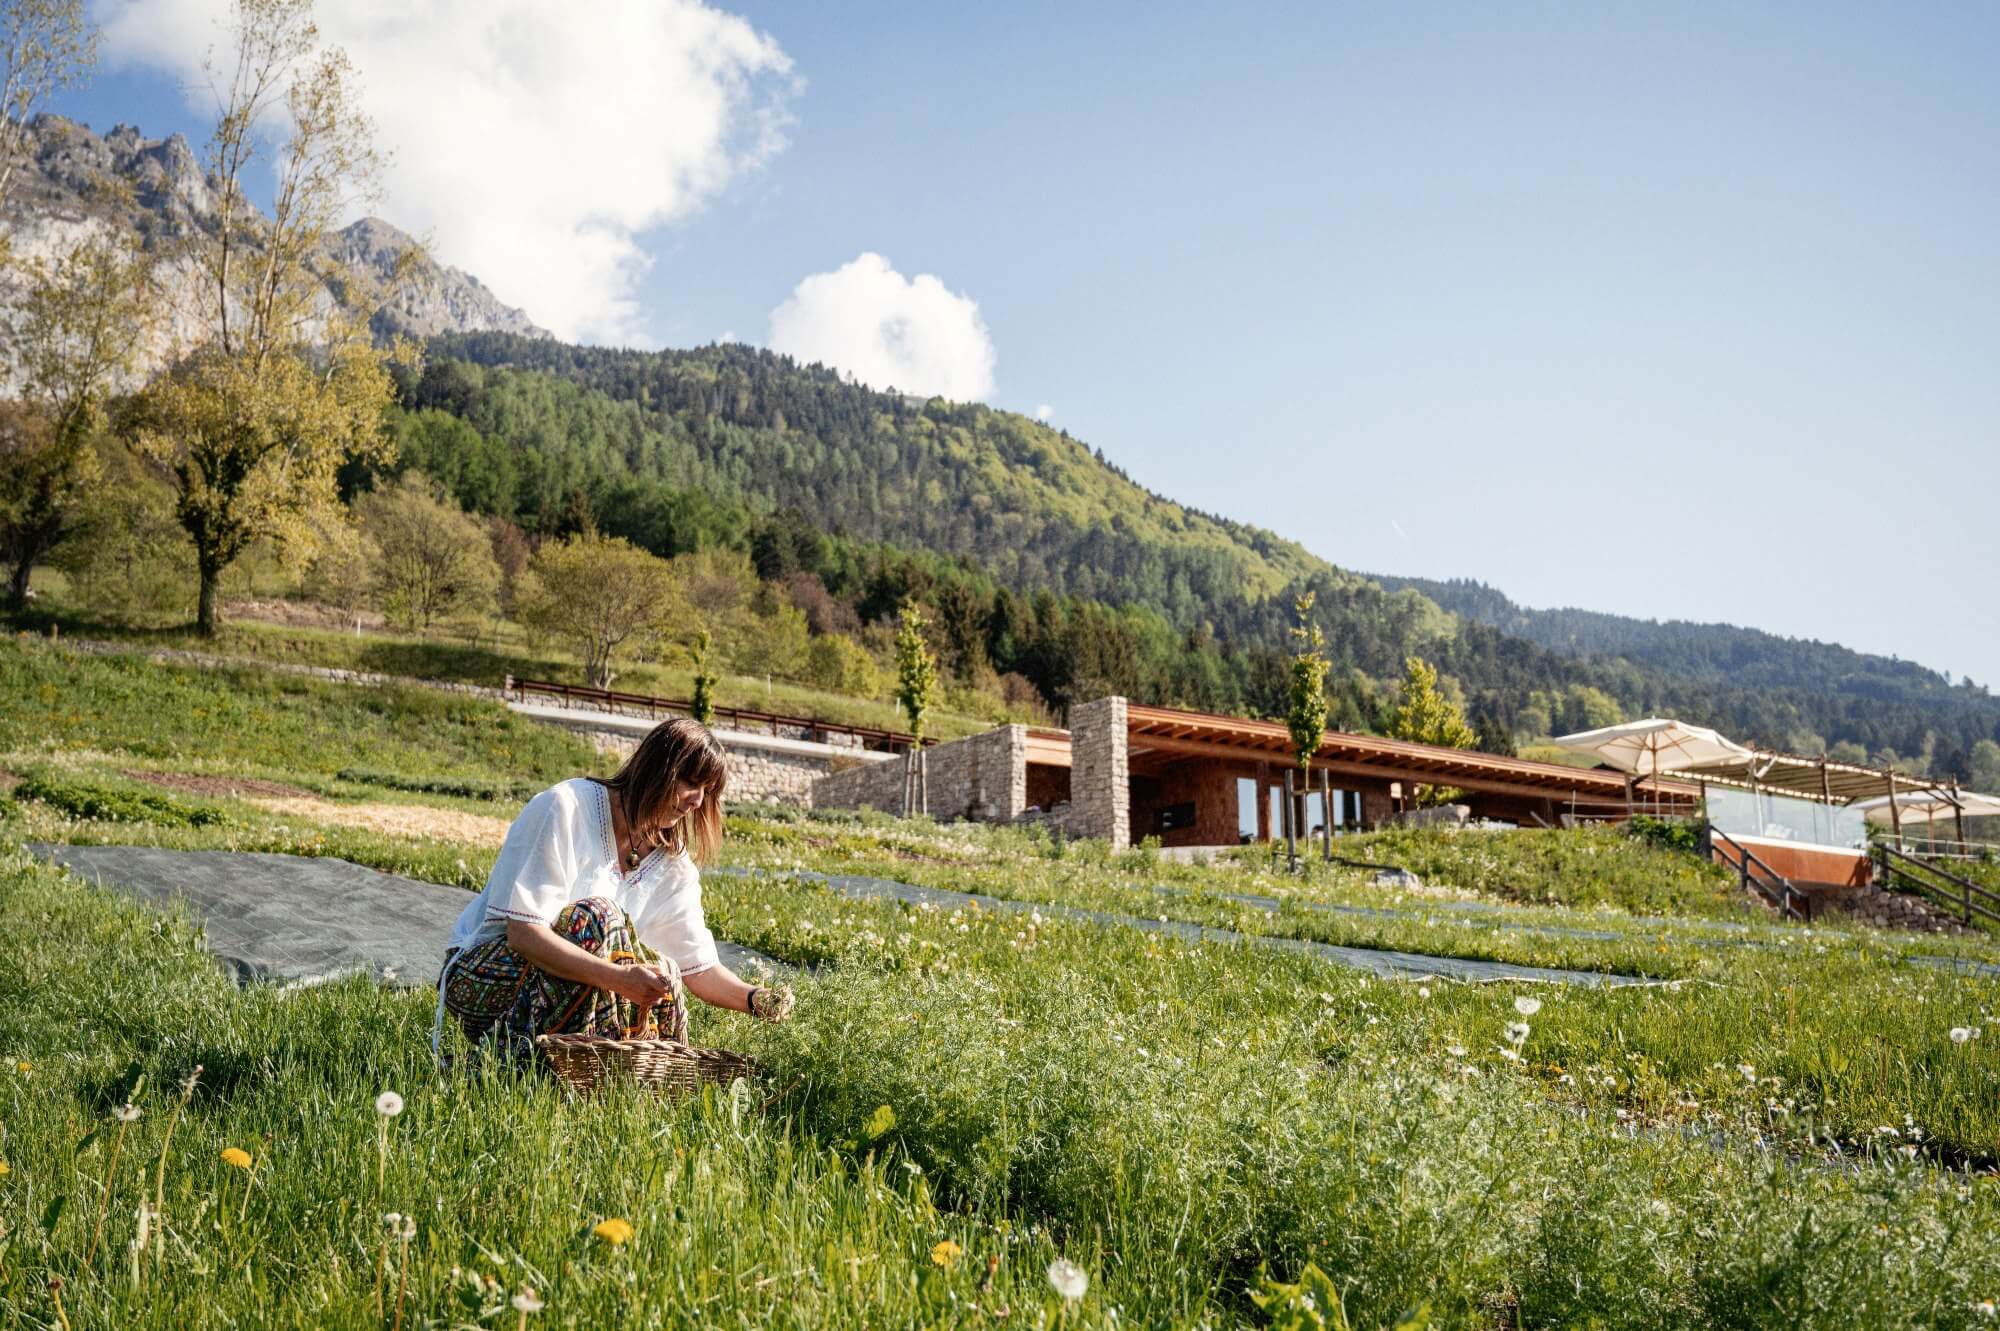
702 705
1425 715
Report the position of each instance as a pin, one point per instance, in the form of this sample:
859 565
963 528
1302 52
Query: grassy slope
488 663
1170 1117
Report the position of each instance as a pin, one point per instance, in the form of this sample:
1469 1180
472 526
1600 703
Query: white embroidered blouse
562 849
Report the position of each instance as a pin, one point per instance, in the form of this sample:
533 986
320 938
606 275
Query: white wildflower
1067 1278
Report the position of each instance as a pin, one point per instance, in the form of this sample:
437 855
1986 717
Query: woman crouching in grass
590 867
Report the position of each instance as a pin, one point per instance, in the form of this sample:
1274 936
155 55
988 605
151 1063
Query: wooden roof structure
1171 733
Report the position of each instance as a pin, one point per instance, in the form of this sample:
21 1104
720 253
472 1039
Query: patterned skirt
502 1001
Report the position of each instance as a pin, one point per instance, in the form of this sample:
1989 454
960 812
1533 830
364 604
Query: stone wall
983 777
1100 779
756 774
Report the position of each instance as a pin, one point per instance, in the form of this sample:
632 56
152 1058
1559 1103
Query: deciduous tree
76 330
839 664
600 596
45 45
916 668
255 423
436 563
1306 715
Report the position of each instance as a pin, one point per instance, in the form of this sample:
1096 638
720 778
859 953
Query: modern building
1124 772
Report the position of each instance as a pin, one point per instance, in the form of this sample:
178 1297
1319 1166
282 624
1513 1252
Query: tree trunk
206 621
17 586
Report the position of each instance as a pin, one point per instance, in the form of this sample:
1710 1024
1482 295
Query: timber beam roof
1170 731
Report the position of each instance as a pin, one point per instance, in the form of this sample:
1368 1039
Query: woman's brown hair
680 750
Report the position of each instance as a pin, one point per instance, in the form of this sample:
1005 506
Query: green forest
1038 558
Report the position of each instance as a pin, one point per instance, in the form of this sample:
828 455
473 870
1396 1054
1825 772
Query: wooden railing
1755 875
1938 884
611 700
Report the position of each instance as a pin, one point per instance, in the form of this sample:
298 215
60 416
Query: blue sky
1674 311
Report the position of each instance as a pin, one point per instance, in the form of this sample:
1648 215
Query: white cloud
888 331
534 143
1045 412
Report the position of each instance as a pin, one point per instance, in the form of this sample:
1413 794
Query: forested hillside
1863 691
1042 560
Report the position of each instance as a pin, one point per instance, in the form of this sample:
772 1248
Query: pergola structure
1821 778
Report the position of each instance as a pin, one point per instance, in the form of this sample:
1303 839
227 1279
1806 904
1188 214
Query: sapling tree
1305 713
702 705
916 689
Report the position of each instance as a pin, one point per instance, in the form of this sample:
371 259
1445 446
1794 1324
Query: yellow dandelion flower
5 1169
946 1252
24 1067
613 1231
237 1156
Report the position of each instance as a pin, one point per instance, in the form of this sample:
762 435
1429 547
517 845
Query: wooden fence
1941 885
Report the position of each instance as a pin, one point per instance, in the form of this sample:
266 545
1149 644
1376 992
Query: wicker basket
585 1062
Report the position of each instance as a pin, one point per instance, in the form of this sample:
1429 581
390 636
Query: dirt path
219 785
418 822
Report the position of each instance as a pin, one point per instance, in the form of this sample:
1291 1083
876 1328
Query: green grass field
1786 1135
505 651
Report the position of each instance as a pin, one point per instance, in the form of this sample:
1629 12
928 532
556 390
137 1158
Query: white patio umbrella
1962 804
1655 746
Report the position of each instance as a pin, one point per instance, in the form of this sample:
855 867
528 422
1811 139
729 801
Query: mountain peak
71 181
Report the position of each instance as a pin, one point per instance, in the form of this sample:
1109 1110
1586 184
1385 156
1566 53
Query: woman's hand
773 1005
645 985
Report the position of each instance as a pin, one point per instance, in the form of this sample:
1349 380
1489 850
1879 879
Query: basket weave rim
638 1044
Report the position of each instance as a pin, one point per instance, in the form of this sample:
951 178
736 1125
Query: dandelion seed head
388 1104
1960 1034
1517 1032
126 1113
1067 1278
1749 1072
526 1301
1527 1006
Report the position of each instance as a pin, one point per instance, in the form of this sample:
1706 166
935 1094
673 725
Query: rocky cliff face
72 183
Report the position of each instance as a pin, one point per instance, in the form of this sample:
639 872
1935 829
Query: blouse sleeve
682 933
538 862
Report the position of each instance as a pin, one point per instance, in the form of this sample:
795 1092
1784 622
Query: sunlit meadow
979 1117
